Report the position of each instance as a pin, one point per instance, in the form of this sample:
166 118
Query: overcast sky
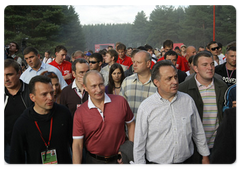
120 11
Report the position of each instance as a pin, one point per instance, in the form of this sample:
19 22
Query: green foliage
44 26
48 26
192 25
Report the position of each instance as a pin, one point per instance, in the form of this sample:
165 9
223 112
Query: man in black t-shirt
228 70
16 100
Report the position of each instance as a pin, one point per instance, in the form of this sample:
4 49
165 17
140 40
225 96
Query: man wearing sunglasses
213 48
95 61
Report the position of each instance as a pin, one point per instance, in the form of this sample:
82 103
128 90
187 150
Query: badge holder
49 157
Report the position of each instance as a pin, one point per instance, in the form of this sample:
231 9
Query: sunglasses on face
215 48
92 62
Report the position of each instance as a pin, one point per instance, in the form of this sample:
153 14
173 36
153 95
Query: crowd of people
123 105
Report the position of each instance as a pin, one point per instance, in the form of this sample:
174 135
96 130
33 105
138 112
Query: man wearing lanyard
44 130
228 70
207 92
74 95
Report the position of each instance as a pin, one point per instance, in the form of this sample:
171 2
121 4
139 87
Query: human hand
205 160
119 160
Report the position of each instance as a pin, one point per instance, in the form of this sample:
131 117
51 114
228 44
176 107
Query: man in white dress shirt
167 122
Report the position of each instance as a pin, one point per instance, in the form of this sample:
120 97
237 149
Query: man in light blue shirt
36 67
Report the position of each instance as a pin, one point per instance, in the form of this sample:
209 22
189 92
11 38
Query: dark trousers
92 160
7 149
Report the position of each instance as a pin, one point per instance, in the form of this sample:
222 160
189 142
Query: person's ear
195 68
32 97
155 82
85 88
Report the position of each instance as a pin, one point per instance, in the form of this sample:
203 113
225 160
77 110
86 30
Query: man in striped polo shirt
208 94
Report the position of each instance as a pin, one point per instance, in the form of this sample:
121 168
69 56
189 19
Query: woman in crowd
56 85
116 77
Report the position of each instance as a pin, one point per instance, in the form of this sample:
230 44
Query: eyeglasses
215 48
92 62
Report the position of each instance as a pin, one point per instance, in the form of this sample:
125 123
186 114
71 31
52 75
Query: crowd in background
105 107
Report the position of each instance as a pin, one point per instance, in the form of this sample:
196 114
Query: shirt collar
43 66
200 85
122 59
135 78
74 84
91 105
164 100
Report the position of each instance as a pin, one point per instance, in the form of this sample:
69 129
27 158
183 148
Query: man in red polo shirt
122 58
64 66
99 123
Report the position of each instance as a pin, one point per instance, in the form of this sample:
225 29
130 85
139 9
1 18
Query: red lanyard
50 133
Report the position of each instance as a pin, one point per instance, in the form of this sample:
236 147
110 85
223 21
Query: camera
6 49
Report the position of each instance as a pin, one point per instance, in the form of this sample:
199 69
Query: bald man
190 51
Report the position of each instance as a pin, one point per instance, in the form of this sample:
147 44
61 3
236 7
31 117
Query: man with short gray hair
167 122
99 123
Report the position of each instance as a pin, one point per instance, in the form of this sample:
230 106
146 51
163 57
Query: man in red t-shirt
122 58
64 66
99 123
168 45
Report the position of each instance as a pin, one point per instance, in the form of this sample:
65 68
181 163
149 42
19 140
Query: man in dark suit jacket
204 68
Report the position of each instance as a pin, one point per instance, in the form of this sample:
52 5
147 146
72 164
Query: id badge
49 157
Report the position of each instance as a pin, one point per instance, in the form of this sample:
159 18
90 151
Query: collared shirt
210 120
164 130
135 92
103 131
77 90
28 74
127 61
91 105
